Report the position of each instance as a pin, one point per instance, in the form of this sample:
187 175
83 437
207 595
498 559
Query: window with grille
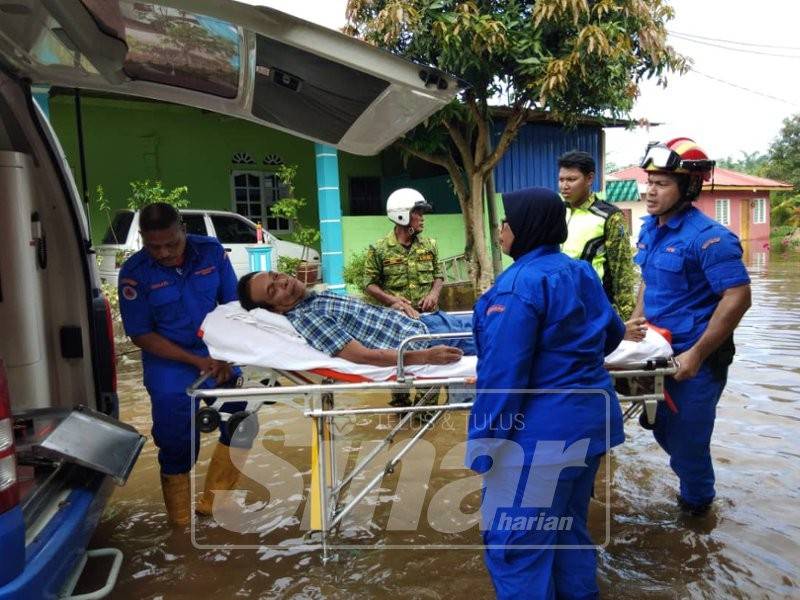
254 193
722 210
759 211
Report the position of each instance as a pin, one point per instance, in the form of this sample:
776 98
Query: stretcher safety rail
319 405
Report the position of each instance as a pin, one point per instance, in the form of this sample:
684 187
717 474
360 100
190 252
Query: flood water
748 547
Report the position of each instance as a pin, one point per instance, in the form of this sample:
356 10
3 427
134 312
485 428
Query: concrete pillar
330 217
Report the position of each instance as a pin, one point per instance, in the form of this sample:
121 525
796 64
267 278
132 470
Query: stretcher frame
327 510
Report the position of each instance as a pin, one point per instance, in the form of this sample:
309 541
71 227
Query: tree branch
443 161
461 144
509 133
483 131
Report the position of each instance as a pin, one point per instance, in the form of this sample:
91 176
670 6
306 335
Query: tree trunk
482 269
494 226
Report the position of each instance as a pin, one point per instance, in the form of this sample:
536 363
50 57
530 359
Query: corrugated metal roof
532 158
623 190
723 178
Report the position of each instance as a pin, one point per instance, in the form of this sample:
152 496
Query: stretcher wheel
241 429
207 419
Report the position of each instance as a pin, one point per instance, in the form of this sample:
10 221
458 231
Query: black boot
695 510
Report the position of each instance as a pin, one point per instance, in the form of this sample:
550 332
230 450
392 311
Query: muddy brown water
749 547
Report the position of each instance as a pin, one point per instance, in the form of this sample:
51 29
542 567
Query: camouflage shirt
407 272
597 234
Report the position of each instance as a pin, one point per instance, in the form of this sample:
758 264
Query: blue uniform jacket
546 324
686 265
173 302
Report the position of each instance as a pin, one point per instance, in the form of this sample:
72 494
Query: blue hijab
537 217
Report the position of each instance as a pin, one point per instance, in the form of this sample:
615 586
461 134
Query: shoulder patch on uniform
710 241
127 281
129 293
495 308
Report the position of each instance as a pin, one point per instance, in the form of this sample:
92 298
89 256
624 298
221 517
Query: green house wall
129 140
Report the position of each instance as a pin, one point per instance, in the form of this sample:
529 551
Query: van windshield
117 232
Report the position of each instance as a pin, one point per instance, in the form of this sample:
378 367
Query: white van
60 444
234 232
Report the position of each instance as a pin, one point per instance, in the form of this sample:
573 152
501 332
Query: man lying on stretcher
351 329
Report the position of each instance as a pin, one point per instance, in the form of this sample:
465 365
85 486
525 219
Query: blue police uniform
546 324
173 302
687 264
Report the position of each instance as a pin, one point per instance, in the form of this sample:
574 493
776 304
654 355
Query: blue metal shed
532 158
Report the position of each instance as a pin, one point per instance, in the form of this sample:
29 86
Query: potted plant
289 208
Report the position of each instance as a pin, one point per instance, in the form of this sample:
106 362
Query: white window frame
722 211
759 211
269 190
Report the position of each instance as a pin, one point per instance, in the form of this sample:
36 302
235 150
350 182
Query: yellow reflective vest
587 236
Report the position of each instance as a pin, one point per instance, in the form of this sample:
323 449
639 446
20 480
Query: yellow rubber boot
177 498
222 475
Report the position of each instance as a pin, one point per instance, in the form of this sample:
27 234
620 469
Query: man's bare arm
730 310
358 353
638 310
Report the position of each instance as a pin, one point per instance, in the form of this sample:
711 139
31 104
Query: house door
744 220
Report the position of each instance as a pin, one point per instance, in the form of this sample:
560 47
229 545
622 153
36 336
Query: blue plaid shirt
330 321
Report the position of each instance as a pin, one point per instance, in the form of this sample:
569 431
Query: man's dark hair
158 216
577 159
689 186
243 291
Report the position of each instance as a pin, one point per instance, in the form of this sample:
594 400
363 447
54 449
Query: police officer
696 286
402 269
597 231
165 291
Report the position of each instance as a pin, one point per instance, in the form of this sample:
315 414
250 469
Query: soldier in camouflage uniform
402 269
404 265
597 232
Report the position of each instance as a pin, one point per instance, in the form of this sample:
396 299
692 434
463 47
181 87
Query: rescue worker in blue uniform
696 286
165 291
546 324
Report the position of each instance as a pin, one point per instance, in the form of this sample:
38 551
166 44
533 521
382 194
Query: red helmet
679 155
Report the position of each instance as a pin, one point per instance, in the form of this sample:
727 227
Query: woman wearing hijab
545 325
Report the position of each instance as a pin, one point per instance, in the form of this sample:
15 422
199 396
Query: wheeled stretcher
298 371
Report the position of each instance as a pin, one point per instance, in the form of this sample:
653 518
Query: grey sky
725 120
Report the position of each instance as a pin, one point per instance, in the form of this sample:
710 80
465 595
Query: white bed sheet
264 339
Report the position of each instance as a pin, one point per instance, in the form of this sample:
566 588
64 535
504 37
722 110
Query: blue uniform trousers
546 572
442 322
686 435
173 414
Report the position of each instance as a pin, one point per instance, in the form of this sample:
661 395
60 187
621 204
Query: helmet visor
422 206
660 157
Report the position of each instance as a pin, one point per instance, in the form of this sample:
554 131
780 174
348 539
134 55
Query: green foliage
354 270
289 208
288 265
569 57
752 163
146 192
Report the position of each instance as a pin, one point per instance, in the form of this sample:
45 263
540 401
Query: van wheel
207 419
242 429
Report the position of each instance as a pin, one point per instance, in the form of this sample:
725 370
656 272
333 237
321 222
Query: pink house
737 200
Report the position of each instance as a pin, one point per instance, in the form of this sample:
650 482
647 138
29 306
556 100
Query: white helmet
401 202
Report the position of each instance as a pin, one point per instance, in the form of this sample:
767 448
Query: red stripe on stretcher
665 333
347 377
670 403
